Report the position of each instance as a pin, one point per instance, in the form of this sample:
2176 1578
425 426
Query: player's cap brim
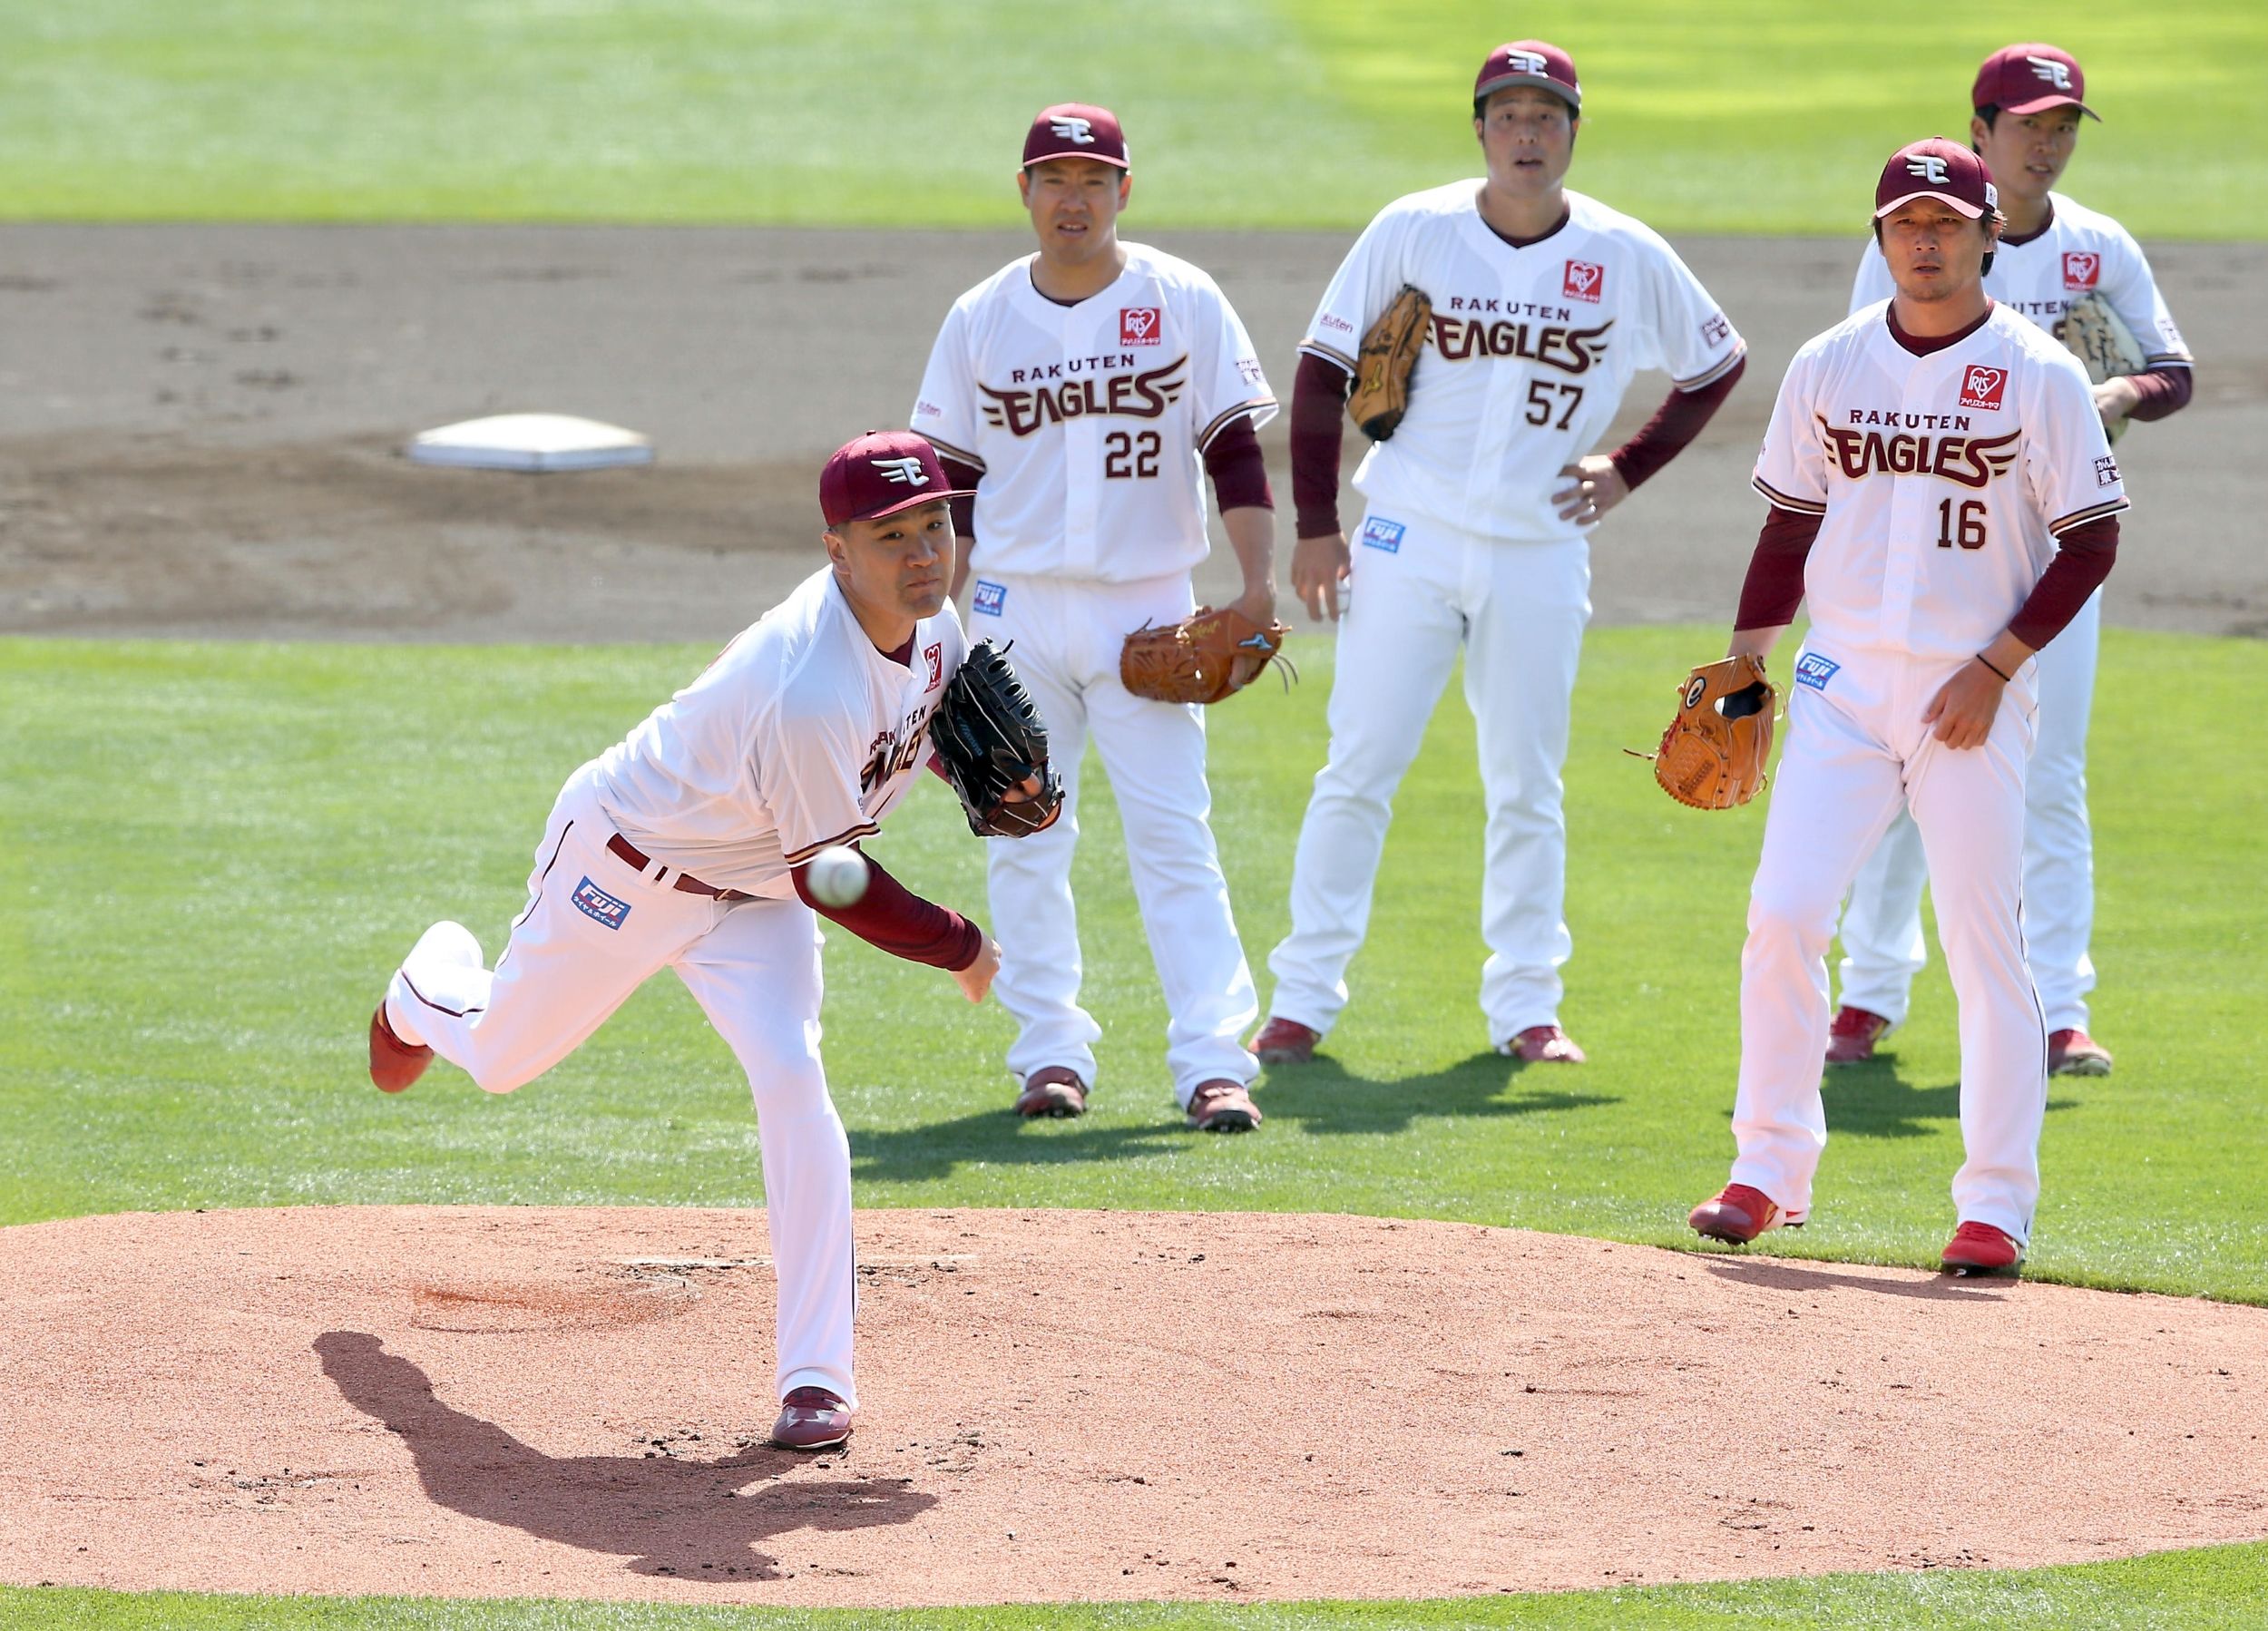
1542 81
1902 200
2040 104
1078 152
914 502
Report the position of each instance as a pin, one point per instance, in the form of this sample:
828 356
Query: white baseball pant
1882 944
594 931
1853 752
1067 635
1519 611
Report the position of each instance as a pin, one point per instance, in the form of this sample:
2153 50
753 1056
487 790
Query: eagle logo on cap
2056 73
1074 128
1527 62
905 473
1929 168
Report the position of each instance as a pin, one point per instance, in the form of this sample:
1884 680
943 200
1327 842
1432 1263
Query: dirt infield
1073 1406
199 425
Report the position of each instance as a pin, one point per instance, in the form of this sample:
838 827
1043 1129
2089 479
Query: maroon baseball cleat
811 1418
1978 1248
2076 1053
1222 1105
1737 1213
1852 1035
393 1063
1542 1045
1053 1091
1286 1042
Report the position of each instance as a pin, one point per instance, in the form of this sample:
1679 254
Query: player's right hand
977 979
1319 565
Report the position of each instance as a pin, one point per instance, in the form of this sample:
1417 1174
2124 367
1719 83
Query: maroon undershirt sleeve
892 917
1238 469
2165 390
2084 556
1774 587
962 477
1675 423
1319 393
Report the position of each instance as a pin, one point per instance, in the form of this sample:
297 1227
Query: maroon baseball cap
2029 79
880 473
1530 62
1077 129
1936 168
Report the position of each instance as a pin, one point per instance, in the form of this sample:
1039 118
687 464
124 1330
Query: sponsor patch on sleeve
988 598
1379 533
1715 330
2106 472
598 907
1814 670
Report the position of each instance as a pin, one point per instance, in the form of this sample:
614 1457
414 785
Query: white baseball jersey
1531 350
1089 420
1943 479
2081 252
800 734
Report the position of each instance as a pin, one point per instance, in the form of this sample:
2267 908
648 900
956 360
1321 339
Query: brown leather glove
1212 655
1713 753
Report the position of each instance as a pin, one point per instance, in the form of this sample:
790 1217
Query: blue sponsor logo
1379 533
598 907
989 598
1814 670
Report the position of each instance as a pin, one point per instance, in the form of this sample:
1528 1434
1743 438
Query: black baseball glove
990 740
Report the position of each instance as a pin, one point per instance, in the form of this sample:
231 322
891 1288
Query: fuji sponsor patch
2081 269
988 598
1379 533
1140 325
1981 388
934 656
1584 280
2106 472
1814 670
598 907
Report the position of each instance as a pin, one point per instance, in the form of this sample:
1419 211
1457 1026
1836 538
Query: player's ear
1977 130
836 550
1126 188
1023 187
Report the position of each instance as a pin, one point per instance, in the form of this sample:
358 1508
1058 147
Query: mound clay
1072 1405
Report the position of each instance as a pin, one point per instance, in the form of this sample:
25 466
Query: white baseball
837 875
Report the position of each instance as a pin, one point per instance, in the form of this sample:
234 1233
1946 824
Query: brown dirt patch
492 1401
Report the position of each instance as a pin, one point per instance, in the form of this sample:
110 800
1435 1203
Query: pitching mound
1072 1405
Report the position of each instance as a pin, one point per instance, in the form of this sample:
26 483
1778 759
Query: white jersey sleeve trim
864 829
947 450
2079 518
1702 381
1781 501
1221 422
1317 348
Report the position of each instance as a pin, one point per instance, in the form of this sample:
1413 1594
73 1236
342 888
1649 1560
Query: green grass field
1749 116
216 859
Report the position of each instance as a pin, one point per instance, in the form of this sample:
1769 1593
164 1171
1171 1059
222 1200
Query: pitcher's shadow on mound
1322 1098
685 1520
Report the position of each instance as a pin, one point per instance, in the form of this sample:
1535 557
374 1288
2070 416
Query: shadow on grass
1319 1098
1871 1101
669 1515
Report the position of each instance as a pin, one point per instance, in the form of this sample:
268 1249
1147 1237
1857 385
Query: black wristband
2005 679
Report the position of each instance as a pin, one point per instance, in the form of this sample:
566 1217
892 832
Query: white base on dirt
537 442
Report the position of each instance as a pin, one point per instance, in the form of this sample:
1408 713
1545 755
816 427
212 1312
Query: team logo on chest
1584 280
1140 325
1981 388
2081 269
1145 395
1968 461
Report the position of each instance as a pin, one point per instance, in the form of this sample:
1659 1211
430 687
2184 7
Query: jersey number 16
1966 529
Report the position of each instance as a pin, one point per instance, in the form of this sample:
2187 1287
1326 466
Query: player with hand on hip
685 846
2054 253
1944 497
1085 392
1477 530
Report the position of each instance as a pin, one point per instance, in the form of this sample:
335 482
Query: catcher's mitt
1390 353
2099 338
1713 753
1212 655
990 740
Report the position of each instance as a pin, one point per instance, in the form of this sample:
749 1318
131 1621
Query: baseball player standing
1477 531
1943 493
2054 252
684 846
1085 392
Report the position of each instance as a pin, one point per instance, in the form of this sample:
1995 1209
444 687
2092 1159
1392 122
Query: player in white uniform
684 845
1945 497
2055 252
1085 392
1477 528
